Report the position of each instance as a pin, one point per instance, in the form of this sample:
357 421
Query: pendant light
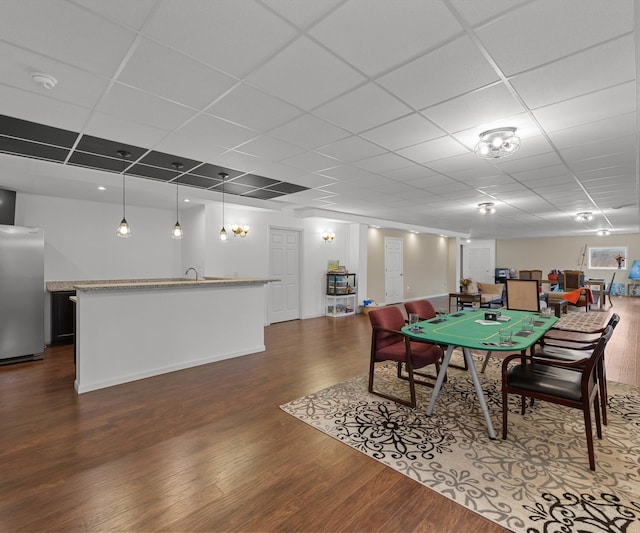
223 232
177 232
123 230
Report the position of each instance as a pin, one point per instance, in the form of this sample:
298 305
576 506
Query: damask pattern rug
538 480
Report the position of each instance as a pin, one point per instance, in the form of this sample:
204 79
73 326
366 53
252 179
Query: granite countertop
152 283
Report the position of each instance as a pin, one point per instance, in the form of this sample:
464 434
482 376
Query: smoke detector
47 81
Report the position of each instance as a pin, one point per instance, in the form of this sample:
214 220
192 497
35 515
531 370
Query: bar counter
133 329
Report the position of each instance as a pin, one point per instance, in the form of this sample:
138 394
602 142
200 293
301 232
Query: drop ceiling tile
188 146
476 12
417 84
263 194
386 33
83 159
267 147
383 163
521 30
158 70
75 86
433 150
589 108
302 14
78 37
312 180
254 181
197 181
278 171
254 109
549 159
155 173
411 172
125 131
309 132
351 149
234 37
305 74
215 131
286 188
311 161
474 109
603 66
164 160
233 188
42 109
591 132
406 131
136 106
363 108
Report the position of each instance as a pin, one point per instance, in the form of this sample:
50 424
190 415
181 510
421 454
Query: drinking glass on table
414 318
442 312
475 305
505 337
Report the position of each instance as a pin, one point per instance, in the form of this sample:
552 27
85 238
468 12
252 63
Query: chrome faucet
195 270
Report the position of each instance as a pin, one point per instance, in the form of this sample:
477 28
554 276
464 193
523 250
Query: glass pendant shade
223 234
124 230
177 232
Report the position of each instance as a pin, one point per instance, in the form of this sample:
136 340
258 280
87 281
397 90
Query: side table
462 298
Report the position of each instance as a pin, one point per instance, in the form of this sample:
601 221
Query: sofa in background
491 294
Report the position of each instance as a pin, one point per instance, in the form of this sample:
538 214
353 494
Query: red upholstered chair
389 344
423 308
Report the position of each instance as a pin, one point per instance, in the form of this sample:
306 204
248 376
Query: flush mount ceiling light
177 232
486 208
223 232
584 216
47 81
497 143
603 232
124 230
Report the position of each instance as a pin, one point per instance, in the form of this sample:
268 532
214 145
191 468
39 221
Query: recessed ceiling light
187 200
102 188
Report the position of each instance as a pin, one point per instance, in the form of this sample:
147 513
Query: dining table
471 330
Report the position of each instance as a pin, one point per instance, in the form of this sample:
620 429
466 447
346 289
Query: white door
393 270
478 260
284 265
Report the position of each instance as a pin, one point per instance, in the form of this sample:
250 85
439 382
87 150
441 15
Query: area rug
538 480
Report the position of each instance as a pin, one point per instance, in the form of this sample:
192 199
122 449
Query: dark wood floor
208 449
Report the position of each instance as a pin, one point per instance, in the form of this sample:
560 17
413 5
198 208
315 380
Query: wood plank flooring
208 449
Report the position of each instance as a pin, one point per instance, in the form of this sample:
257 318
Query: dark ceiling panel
33 150
213 171
254 181
104 147
263 194
162 160
52 144
198 181
287 188
152 172
83 159
32 131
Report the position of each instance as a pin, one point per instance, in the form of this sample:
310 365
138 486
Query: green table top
462 329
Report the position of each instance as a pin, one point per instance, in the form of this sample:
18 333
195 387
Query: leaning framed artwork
607 257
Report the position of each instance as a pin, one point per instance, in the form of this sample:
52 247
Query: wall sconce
328 236
240 230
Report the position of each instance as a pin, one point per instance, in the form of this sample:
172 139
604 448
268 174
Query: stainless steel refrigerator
21 293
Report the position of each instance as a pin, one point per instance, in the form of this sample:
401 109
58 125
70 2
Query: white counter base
126 335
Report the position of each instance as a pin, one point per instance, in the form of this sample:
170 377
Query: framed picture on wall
605 257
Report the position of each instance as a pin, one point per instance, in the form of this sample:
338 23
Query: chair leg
586 409
602 384
505 409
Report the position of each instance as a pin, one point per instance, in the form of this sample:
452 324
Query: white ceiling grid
375 105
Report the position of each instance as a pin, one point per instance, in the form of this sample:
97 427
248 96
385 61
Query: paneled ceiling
359 109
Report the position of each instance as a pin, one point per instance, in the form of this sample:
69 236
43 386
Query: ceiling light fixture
328 236
240 230
603 232
497 143
124 230
584 216
47 81
486 208
223 232
177 232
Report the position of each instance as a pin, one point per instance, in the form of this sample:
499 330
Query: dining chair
606 292
388 343
425 310
575 345
558 382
